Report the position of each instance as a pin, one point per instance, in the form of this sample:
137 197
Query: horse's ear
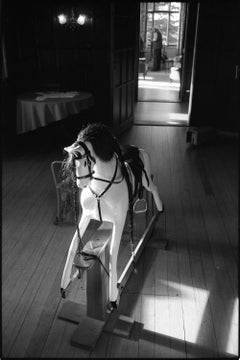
73 149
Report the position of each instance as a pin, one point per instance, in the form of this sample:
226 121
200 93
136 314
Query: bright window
166 17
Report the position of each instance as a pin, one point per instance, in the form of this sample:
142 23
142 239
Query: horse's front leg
66 277
113 257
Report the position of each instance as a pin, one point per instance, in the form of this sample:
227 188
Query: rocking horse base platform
87 333
89 329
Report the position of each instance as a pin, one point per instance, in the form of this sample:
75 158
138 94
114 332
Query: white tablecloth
35 110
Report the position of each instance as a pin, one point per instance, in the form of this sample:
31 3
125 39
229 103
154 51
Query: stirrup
139 202
82 261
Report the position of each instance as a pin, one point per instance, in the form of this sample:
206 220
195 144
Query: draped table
39 109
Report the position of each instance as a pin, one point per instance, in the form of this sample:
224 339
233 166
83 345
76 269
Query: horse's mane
104 143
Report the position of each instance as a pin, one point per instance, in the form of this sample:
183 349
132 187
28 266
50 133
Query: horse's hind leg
151 186
113 256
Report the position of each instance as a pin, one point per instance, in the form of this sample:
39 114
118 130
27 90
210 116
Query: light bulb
62 19
81 19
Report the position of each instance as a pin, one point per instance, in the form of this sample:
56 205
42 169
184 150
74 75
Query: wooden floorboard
183 298
215 250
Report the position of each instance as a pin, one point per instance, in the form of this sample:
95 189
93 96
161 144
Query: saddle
130 155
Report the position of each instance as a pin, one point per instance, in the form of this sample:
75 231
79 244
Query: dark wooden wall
41 54
125 62
215 95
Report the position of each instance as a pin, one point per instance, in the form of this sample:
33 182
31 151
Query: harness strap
98 196
99 209
89 158
89 175
87 152
88 256
128 173
107 181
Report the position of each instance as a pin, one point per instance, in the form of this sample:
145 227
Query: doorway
165 83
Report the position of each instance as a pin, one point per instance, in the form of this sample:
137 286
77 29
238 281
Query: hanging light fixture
81 19
62 19
72 21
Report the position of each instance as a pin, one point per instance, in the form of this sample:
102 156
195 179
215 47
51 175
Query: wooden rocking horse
111 180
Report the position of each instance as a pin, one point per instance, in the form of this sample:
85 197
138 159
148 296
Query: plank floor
184 299
161 114
157 87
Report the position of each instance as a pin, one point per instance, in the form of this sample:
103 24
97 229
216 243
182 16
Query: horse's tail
149 185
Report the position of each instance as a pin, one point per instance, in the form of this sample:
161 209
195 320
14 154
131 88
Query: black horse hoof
162 209
112 306
63 293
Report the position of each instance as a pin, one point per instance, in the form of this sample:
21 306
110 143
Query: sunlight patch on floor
232 344
193 311
178 117
173 122
158 85
146 78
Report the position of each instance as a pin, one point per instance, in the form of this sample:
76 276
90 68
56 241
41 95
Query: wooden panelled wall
126 24
41 54
215 95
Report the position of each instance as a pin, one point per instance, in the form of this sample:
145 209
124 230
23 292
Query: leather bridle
90 159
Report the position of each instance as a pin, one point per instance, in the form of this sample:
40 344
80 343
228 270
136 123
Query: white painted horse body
114 205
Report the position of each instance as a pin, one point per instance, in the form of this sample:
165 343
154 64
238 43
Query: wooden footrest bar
120 325
87 333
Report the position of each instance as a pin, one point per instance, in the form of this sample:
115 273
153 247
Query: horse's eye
85 163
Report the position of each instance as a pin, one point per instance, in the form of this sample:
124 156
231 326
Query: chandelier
72 21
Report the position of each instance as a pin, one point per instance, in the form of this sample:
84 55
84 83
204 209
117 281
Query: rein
89 159
98 196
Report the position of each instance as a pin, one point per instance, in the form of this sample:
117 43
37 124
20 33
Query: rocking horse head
95 141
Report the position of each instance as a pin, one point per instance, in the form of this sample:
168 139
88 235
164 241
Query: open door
123 52
163 84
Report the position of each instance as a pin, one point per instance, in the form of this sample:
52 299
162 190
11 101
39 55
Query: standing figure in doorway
141 47
156 49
